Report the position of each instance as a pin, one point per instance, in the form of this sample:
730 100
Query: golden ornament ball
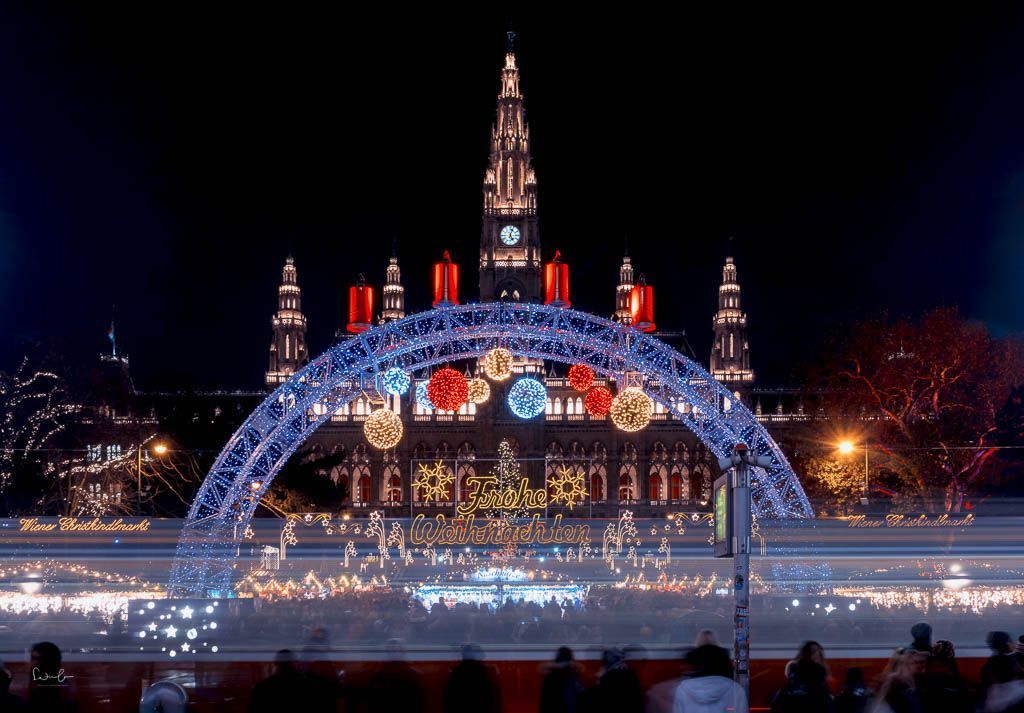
383 429
479 391
631 410
498 364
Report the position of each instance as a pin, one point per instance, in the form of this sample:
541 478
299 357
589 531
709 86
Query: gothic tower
288 351
510 261
394 292
625 286
730 353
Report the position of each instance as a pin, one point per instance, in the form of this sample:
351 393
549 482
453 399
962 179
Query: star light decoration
433 481
396 381
566 487
383 429
527 398
631 410
497 364
175 626
479 391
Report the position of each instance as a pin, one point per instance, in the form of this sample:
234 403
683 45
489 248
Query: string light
631 410
527 398
396 381
423 398
581 377
383 429
598 401
447 389
498 364
479 391
204 566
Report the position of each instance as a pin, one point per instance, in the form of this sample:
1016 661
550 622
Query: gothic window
113 452
627 483
677 484
363 489
339 474
93 453
598 478
287 347
466 469
392 484
579 404
656 481
548 408
558 406
570 406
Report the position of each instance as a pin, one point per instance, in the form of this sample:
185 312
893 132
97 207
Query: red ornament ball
581 377
598 401
447 389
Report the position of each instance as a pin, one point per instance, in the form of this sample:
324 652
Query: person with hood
560 691
710 688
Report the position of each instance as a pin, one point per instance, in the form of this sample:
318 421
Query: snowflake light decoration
566 487
433 481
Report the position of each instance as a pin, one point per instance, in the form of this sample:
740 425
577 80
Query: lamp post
159 449
846 448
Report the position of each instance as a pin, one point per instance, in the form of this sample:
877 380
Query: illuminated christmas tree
508 479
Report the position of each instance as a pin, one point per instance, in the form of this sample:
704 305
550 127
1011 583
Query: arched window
548 407
656 482
627 483
579 404
598 477
392 484
365 488
362 492
676 486
570 406
558 406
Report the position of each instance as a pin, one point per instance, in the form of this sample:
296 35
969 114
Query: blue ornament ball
422 400
396 381
527 398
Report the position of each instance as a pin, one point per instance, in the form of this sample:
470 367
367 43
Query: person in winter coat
561 689
618 689
472 686
939 687
856 696
805 692
710 688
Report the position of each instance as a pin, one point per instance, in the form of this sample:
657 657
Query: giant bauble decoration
422 398
498 364
581 377
383 429
527 398
631 410
479 391
598 401
396 381
447 389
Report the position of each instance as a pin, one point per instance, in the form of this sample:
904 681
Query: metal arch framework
260 447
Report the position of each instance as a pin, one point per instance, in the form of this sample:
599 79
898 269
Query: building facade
662 469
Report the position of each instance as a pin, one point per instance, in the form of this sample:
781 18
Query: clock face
510 235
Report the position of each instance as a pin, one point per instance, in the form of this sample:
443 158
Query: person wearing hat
618 689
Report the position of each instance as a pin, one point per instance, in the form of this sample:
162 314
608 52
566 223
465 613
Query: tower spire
288 351
624 288
394 291
510 266
730 352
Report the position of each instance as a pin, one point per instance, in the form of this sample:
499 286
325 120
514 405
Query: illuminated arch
286 418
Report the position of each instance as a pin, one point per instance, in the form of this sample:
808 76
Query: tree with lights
507 478
924 397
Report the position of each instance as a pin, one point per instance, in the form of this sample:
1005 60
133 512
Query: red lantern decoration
598 401
446 282
641 306
360 307
581 377
556 282
448 389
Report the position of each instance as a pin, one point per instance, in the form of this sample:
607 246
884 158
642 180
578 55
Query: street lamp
159 449
846 447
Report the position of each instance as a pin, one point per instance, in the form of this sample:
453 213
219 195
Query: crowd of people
922 677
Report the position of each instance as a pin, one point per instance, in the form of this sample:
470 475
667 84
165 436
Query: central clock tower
510 263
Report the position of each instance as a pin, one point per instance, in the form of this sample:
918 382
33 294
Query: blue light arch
260 447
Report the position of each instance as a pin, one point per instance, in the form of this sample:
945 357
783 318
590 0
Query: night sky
165 161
